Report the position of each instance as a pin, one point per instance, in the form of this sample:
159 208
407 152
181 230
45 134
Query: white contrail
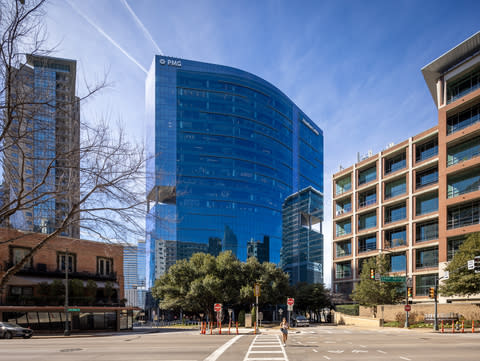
139 23
99 29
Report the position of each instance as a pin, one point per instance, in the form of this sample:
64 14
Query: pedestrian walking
284 328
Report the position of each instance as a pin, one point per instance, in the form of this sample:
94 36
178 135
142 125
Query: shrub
352 310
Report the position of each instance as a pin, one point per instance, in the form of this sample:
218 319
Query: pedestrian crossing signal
372 273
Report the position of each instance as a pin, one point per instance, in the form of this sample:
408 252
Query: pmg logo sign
171 62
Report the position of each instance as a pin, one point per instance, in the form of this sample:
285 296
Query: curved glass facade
226 149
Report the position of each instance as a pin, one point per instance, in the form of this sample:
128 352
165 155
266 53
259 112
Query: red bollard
236 325
473 326
442 327
463 329
211 328
453 327
255 328
220 328
229 324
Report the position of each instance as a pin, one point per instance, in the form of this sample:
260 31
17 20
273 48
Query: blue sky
352 66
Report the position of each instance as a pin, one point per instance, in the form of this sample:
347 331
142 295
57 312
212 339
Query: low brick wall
342 319
467 310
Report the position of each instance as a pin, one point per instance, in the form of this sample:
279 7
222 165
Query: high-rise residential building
227 148
41 146
130 274
418 200
302 238
259 250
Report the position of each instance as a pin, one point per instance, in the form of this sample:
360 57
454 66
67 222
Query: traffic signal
432 292
409 291
372 273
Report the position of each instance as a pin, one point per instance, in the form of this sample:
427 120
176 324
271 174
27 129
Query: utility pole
67 328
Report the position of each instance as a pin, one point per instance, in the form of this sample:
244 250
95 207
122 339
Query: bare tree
91 173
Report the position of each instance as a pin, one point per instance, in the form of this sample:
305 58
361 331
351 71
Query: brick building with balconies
420 199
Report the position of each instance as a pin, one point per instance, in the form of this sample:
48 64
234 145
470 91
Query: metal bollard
220 328
463 329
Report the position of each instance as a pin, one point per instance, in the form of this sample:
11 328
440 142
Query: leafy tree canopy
462 281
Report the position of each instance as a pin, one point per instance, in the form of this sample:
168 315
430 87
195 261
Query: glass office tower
225 149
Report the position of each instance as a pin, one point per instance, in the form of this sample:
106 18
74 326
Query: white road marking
328 358
404 358
314 350
336 351
362 346
329 342
265 341
219 351
381 351
358 351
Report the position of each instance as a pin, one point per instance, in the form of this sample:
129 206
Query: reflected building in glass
225 149
302 247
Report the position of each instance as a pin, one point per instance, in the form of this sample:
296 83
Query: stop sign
290 301
217 307
408 308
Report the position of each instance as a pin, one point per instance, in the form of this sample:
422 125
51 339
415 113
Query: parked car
9 330
300 321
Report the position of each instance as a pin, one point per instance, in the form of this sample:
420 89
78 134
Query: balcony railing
452 128
463 156
395 192
40 270
366 247
463 220
426 182
343 274
424 210
427 236
390 218
344 210
453 192
342 232
367 202
396 242
427 154
396 166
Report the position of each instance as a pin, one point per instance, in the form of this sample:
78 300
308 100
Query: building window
367 198
463 151
343 270
395 213
396 237
426 150
423 284
343 248
18 253
426 203
463 183
395 163
398 262
453 245
426 258
72 264
426 177
343 228
343 185
367 175
367 243
104 266
463 215
462 85
463 119
426 231
343 206
368 220
395 188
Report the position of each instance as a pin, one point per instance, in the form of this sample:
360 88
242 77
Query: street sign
392 278
290 301
217 307
280 311
260 316
409 282
289 307
471 264
408 308
73 310
256 290
447 275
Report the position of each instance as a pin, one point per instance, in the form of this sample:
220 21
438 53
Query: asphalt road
308 344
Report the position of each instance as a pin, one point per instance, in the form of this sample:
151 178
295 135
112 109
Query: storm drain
71 350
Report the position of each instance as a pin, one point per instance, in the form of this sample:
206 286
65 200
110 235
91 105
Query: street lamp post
67 328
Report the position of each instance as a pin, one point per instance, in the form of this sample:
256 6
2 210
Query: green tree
91 292
76 290
371 293
312 298
461 280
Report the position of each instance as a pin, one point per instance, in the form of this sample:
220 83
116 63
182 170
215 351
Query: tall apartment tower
227 148
41 145
418 200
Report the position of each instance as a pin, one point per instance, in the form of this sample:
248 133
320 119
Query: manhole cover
71 349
